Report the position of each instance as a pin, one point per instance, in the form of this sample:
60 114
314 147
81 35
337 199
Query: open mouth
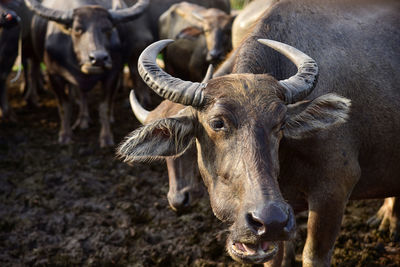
252 253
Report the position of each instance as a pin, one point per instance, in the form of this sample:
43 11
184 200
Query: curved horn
209 74
60 16
304 81
167 86
130 13
140 113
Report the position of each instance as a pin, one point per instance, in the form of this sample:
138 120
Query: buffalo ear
308 117
190 33
159 139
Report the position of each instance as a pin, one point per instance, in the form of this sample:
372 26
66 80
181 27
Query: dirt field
78 205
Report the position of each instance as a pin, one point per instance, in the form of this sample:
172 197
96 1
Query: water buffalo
146 31
31 64
269 146
388 216
81 44
9 35
183 173
157 7
203 37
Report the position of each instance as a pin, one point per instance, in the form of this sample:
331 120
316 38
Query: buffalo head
216 26
237 122
92 31
183 174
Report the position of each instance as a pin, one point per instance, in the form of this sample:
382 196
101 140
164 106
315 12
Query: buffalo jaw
89 69
252 253
260 247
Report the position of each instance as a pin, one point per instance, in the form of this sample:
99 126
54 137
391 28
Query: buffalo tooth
249 250
239 247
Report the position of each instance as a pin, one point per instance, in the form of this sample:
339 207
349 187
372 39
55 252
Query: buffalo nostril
215 54
186 199
271 219
92 59
179 201
98 57
255 223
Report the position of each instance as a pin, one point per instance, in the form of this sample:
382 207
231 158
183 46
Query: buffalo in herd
282 108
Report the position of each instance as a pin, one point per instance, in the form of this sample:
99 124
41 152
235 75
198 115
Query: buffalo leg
83 119
33 79
323 226
388 217
5 110
58 85
327 200
105 111
8 54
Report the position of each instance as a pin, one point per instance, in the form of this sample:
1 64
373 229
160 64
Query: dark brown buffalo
157 7
146 31
31 64
11 47
83 42
388 216
183 173
203 37
269 146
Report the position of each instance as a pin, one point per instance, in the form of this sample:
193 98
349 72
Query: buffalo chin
252 254
89 69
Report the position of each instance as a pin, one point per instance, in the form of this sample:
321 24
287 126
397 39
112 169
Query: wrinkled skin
263 158
203 37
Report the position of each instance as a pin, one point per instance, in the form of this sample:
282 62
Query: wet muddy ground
78 205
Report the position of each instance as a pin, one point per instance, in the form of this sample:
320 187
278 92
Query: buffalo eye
78 30
217 124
